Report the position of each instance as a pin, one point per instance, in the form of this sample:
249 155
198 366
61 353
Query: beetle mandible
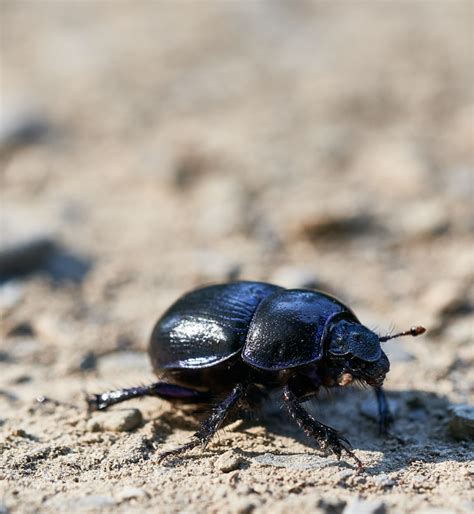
242 339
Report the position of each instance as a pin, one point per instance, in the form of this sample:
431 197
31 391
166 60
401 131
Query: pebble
229 461
360 506
131 493
343 475
461 424
122 420
383 480
369 408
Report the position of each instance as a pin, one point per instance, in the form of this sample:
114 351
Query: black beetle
243 339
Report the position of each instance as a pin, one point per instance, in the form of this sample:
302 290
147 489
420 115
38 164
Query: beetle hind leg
211 425
327 437
158 389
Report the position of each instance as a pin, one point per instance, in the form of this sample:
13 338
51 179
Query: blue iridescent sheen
274 328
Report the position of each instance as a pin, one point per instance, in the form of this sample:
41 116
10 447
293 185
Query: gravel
122 420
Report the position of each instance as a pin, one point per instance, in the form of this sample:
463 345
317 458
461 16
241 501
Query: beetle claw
93 402
180 449
360 466
337 443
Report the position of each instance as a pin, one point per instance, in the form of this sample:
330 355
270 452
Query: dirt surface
149 147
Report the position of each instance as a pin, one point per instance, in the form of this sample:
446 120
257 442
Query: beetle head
354 352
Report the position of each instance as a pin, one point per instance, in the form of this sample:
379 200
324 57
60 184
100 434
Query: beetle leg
211 425
385 416
327 437
160 389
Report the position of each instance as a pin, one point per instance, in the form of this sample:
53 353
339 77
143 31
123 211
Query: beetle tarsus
211 425
327 438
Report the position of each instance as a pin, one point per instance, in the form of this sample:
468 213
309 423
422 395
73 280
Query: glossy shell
289 327
276 328
206 326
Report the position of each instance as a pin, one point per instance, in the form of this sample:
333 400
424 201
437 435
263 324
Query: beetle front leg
327 437
212 424
385 416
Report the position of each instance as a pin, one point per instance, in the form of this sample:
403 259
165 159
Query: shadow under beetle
243 339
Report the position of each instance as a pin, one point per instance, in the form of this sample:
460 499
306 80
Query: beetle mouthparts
345 379
414 331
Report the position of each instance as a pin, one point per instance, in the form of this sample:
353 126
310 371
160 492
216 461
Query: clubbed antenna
414 331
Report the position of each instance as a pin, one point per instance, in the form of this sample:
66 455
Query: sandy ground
155 146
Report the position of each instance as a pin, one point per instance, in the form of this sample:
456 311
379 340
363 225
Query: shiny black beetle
242 339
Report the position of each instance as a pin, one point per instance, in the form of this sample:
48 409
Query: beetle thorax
353 339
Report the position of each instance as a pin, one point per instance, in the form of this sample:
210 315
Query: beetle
240 340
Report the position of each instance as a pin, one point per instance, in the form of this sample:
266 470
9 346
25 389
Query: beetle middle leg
159 389
212 424
385 416
328 438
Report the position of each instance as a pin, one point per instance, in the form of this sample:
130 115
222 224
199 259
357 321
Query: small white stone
228 461
343 475
122 420
383 480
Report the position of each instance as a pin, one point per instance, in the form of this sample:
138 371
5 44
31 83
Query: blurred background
150 147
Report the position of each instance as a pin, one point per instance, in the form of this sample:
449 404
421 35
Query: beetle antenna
414 331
